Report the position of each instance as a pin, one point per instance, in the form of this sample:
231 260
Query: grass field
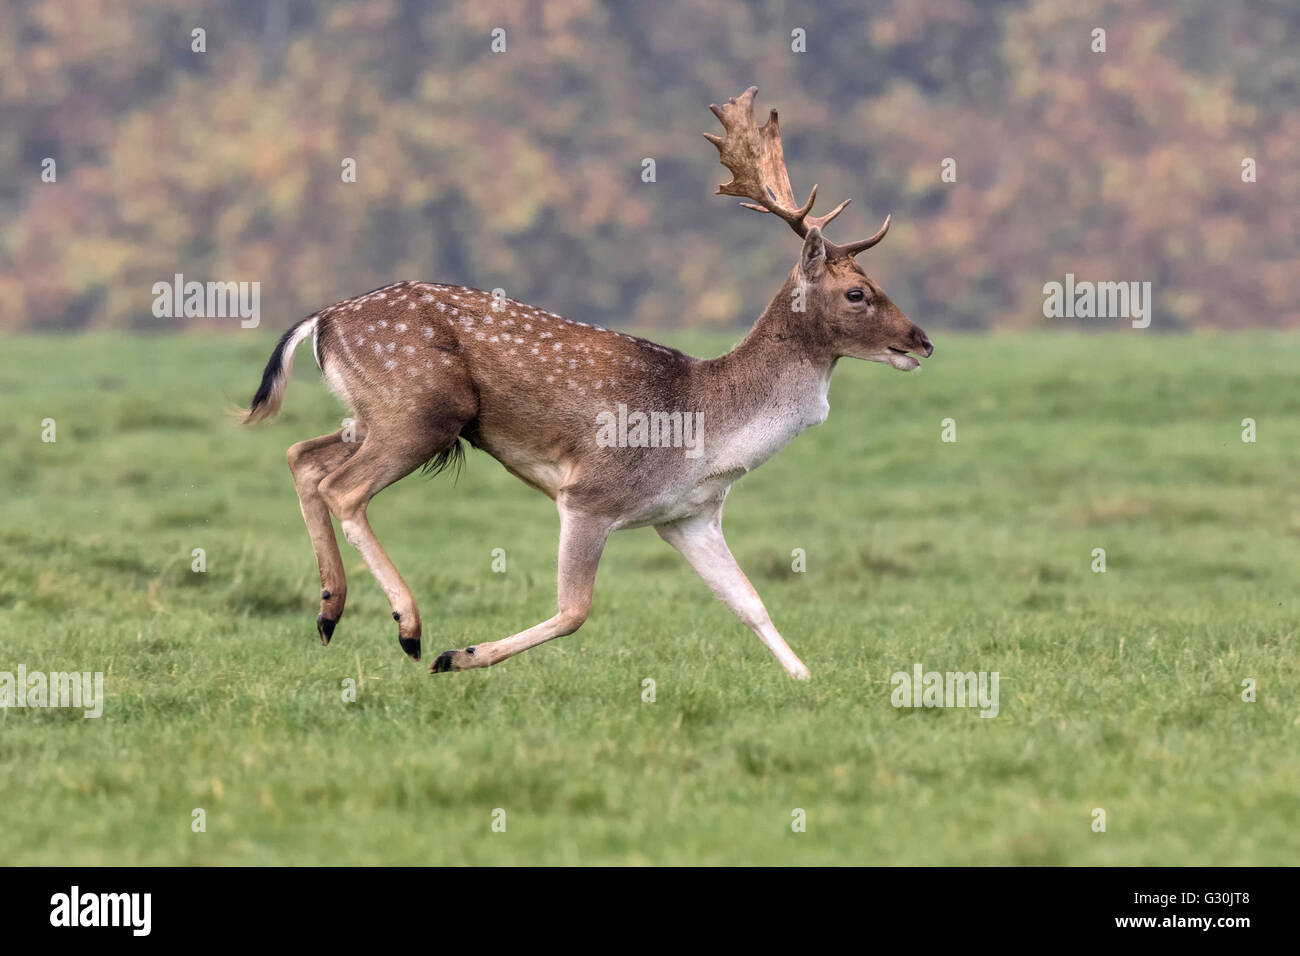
1119 691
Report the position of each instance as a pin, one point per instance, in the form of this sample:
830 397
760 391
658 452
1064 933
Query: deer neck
769 388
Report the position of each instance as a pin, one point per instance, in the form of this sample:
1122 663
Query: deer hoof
325 627
453 661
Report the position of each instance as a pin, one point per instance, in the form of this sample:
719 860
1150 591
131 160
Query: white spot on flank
390 364
442 306
557 346
400 327
428 331
383 323
408 349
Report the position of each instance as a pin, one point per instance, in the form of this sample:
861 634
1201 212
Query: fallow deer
423 366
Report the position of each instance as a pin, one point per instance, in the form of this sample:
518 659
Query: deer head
842 310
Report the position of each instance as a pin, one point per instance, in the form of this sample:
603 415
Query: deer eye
855 295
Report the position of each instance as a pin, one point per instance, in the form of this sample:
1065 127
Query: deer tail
266 403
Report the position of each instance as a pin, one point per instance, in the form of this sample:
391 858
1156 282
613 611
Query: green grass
1119 690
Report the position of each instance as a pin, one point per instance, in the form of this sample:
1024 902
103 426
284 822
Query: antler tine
862 245
821 221
756 160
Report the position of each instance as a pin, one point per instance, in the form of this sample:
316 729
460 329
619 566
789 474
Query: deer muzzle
916 341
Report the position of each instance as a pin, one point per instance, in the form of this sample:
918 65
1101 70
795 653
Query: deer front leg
582 540
699 539
309 462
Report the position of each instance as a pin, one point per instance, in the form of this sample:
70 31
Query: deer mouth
901 360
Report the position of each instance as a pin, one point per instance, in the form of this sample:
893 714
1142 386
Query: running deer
619 431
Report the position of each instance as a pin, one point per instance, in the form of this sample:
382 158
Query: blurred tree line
523 169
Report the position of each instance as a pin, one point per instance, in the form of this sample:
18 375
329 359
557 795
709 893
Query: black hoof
411 645
442 664
326 628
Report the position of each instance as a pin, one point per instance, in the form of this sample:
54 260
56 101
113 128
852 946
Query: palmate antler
757 164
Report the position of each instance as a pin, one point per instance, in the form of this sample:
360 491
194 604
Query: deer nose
926 345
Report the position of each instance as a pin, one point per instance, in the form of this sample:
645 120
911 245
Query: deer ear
812 261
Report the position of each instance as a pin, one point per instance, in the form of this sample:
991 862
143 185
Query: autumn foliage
525 169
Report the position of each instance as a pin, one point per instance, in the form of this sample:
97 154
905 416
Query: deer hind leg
582 540
385 456
699 539
309 462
